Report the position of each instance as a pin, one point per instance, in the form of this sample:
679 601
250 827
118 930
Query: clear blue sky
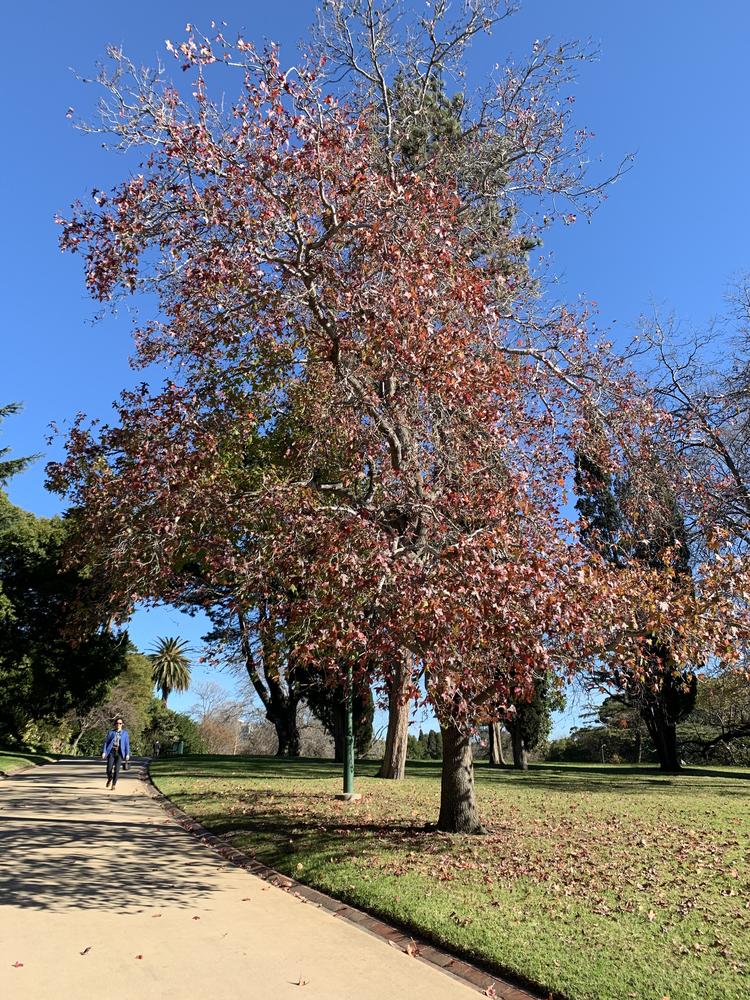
670 85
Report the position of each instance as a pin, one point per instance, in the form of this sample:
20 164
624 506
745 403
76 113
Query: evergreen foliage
171 666
11 466
52 659
612 511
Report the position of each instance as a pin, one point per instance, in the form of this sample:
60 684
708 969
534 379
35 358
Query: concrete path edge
488 983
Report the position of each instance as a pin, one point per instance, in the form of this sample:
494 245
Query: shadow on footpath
63 846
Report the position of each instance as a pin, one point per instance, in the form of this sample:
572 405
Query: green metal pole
349 747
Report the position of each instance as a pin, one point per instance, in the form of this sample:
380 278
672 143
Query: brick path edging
471 975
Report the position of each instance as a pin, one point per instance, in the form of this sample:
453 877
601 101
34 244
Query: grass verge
594 882
14 760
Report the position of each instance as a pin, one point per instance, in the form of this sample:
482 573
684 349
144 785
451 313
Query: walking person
116 749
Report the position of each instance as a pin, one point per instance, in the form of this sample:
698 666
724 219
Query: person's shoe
109 782
113 785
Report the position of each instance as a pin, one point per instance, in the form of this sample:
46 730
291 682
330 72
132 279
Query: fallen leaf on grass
86 950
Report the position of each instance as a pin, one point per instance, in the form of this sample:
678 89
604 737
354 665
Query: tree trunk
496 744
285 724
655 713
664 735
394 758
279 700
661 709
458 804
638 751
520 756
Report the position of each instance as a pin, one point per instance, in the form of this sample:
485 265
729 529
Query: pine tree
11 466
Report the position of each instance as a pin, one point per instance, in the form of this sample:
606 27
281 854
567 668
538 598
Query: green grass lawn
12 760
596 882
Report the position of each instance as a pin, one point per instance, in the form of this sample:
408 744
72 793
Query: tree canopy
318 272
52 658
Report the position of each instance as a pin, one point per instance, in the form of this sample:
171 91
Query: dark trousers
113 766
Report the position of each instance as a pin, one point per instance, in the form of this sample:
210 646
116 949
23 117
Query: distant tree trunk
661 709
520 755
394 757
496 744
638 749
663 705
280 701
164 696
458 804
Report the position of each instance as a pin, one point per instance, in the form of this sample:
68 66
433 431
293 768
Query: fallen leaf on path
18 965
86 950
139 956
155 915
246 899
196 918
301 982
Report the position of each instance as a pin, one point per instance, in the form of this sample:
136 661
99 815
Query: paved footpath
101 894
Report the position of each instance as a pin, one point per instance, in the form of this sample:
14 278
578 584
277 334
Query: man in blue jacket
116 748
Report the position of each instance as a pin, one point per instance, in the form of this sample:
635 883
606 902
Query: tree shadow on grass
274 768
626 779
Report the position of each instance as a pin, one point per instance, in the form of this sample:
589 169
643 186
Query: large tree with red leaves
370 426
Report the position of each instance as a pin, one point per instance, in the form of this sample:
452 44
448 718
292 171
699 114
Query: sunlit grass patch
12 761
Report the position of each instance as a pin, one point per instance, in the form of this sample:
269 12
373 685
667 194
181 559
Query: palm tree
171 667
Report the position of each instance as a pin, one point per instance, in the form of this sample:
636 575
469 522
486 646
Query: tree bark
287 733
520 755
458 804
394 757
638 751
664 735
496 744
660 710
279 701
